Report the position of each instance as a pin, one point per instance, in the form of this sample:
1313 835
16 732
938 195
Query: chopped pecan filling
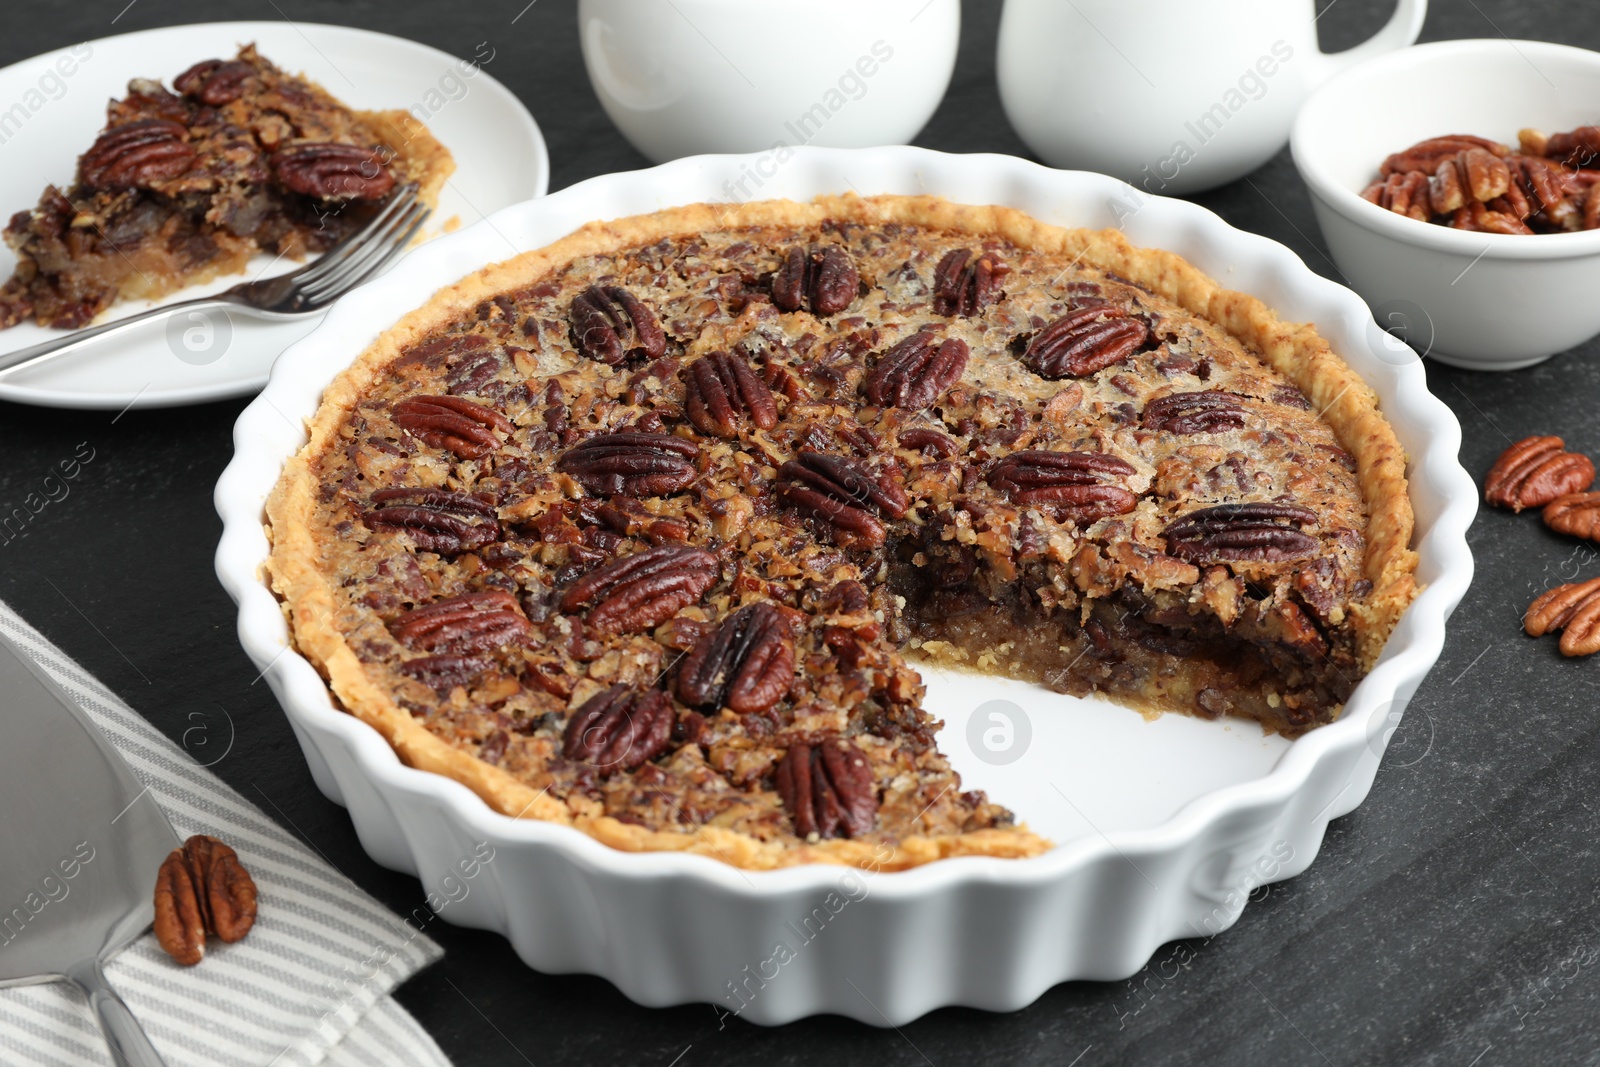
657 532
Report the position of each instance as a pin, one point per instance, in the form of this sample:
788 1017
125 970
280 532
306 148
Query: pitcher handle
1401 30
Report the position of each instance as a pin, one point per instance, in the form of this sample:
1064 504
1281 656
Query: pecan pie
185 185
643 532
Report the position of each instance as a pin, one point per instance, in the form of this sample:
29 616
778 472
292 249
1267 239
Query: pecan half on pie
642 532
183 186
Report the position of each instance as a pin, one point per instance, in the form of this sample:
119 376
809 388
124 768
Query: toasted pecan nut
191 81
1514 204
1210 411
1077 484
1545 190
1425 156
438 520
1580 635
1482 218
1254 532
1577 514
929 441
643 590
620 729
630 519
180 926
827 789
475 369
1575 148
915 372
631 464
439 352
1470 175
214 82
722 394
1084 341
1444 192
445 671
137 154
964 285
845 493
1574 609
1551 609
746 663
1514 208
609 325
461 426
471 622
329 170
202 889
822 279
1534 471
1404 193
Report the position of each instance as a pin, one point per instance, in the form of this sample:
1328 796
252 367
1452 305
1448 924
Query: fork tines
365 253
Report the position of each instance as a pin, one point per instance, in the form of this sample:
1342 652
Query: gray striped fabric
309 985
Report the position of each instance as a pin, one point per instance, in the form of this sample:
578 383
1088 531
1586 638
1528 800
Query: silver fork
300 292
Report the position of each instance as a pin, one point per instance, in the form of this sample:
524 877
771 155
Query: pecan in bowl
1471 183
1475 186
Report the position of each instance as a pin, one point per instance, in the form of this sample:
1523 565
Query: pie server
80 844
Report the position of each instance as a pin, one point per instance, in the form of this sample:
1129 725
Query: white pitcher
1173 96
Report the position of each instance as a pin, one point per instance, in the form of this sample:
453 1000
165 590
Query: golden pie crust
320 615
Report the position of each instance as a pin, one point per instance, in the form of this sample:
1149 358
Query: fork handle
36 354
130 1047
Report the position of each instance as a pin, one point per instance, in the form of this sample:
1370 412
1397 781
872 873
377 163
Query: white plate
499 152
1162 828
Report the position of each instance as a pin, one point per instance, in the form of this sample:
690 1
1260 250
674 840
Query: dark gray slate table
1451 920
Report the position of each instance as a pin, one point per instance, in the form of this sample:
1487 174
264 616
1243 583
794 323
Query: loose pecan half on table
1534 471
1577 514
202 889
1574 609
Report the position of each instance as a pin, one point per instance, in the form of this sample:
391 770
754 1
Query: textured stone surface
1451 919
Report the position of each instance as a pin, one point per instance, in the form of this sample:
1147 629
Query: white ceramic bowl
1479 300
1163 827
680 77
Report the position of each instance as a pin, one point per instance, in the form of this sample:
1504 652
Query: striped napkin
309 985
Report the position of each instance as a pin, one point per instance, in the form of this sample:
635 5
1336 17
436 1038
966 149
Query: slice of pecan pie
184 186
640 532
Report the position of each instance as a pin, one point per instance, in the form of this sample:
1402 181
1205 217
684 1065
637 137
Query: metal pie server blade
80 844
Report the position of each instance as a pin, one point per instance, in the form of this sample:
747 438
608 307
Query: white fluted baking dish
1162 827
